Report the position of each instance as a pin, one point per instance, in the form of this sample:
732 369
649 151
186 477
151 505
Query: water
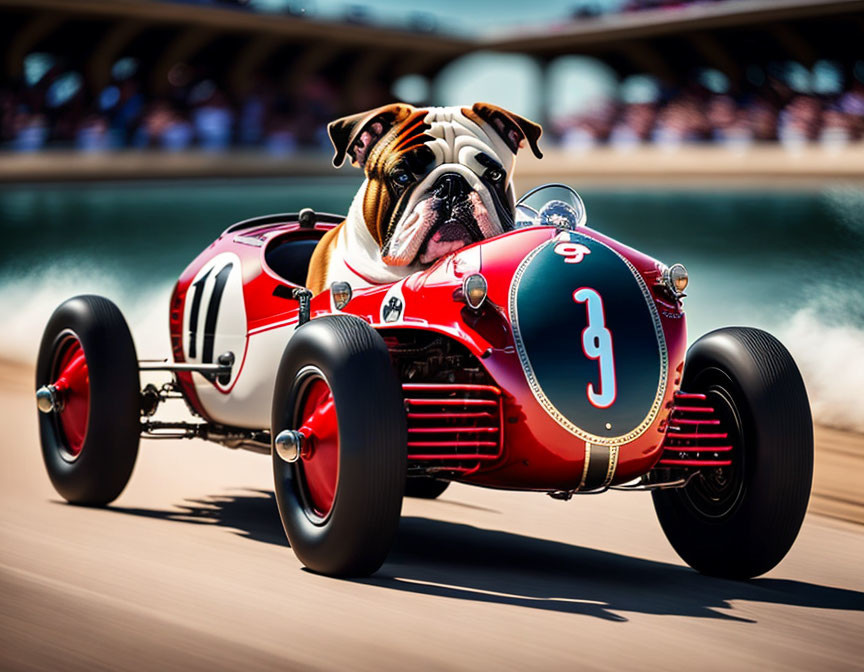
789 262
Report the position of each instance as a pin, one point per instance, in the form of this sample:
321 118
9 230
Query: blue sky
461 16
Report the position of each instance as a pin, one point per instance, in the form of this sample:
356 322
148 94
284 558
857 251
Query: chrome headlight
676 279
342 293
474 290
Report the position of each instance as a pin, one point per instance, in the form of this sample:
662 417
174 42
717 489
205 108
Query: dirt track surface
190 570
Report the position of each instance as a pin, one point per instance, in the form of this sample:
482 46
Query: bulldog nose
450 186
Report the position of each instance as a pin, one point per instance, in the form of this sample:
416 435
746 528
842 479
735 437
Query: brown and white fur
437 179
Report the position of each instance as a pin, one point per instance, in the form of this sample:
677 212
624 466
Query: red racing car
550 358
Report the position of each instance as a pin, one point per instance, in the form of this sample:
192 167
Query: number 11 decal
212 313
597 344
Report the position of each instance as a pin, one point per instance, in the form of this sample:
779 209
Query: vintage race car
550 358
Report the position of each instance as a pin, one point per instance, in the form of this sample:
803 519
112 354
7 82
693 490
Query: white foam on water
831 360
27 301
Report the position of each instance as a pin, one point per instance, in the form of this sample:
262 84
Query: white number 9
597 344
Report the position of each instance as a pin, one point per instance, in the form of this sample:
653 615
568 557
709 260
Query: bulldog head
437 178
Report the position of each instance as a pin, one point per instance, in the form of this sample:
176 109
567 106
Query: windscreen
551 205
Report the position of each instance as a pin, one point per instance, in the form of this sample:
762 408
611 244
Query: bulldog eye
495 175
401 178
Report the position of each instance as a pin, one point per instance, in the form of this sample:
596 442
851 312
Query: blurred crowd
772 113
58 111
53 108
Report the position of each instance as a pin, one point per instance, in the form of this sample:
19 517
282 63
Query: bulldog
437 179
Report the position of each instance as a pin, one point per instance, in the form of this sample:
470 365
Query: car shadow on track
464 562
250 513
457 561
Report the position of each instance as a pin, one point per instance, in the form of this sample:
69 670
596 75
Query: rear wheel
740 521
88 394
339 403
423 487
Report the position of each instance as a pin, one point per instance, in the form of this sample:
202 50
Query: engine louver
695 436
452 427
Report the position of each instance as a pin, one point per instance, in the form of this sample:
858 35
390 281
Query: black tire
423 487
98 473
356 535
739 522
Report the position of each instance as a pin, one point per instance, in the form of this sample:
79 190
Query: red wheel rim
320 454
72 383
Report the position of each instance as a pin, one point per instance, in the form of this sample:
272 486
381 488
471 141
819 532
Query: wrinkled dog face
437 179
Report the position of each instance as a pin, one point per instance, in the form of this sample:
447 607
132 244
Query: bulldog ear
515 130
355 135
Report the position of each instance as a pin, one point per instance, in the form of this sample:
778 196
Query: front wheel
740 521
338 405
87 390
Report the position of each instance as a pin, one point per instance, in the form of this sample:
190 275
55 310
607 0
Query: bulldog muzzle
455 214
